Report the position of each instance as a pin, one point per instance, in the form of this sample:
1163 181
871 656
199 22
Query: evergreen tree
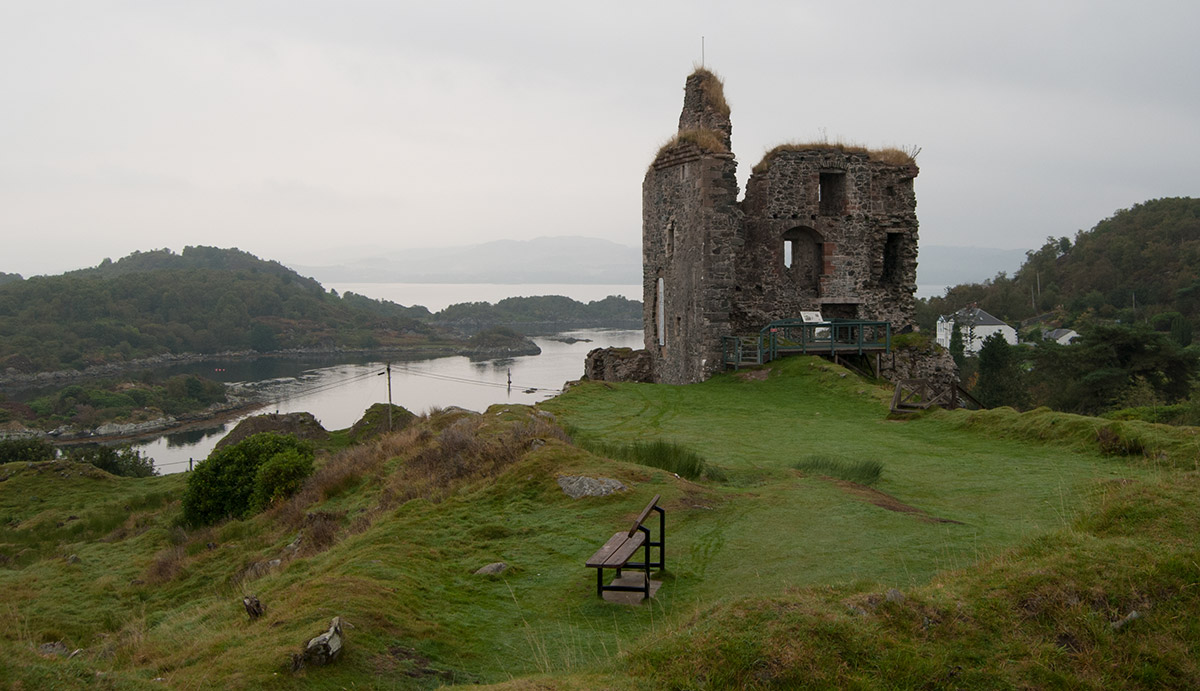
1000 375
958 348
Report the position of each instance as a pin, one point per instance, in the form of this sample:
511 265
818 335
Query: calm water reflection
338 393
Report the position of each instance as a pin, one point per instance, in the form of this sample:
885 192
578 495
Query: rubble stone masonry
822 227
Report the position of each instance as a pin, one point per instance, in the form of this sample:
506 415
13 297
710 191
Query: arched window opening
804 257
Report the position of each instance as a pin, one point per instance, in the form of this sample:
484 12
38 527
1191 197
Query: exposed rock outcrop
618 364
577 486
299 425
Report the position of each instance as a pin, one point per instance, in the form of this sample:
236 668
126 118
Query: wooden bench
620 548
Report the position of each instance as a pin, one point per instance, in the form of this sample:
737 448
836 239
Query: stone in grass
322 649
491 569
55 648
576 486
254 608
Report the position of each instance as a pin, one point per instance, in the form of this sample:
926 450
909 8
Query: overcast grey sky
310 131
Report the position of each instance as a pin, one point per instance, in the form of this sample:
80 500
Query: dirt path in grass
887 501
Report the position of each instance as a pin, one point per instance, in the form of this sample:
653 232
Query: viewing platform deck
795 336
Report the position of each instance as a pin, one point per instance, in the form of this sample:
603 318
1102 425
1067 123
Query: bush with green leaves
280 477
12 450
223 485
126 461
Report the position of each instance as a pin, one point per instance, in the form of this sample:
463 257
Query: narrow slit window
891 258
661 313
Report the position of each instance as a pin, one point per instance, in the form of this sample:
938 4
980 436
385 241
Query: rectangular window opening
831 193
891 258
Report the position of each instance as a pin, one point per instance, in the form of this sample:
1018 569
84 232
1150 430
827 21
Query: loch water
337 392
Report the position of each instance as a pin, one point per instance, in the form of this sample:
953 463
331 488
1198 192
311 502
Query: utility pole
389 376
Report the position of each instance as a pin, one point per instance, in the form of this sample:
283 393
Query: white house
975 325
1061 336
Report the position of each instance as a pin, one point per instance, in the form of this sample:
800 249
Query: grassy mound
1016 559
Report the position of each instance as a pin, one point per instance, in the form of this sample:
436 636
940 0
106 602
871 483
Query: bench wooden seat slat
619 548
642 516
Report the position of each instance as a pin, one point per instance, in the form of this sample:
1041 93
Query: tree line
1141 265
210 300
1130 287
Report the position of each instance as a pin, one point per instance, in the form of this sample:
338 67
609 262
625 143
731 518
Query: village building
976 326
1061 336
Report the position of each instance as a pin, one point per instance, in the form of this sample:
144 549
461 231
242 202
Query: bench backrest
642 516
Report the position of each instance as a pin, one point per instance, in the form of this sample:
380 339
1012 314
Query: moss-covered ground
1012 548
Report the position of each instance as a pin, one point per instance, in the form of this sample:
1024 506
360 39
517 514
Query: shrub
862 472
12 450
280 477
126 461
223 484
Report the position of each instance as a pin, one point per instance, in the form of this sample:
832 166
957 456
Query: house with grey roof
975 326
1061 336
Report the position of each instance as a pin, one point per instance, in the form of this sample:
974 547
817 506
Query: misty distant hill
948 266
582 260
542 260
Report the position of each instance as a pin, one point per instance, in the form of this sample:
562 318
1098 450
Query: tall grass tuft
862 472
662 454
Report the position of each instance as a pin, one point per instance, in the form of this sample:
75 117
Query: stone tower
823 227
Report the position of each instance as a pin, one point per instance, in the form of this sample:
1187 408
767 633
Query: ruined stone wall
618 364
852 226
824 228
931 362
690 223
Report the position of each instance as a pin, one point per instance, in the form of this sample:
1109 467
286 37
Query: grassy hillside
1012 544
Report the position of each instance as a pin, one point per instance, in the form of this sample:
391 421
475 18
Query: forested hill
1142 263
204 300
200 257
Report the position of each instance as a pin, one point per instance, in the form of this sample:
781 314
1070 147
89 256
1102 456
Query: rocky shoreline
242 398
13 379
110 432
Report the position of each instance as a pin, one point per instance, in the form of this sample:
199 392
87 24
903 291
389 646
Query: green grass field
1013 541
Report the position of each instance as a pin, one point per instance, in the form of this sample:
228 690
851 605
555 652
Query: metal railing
795 336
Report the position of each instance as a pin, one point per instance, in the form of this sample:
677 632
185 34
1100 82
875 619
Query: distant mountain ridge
568 259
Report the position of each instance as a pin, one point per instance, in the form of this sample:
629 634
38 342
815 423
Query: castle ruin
823 227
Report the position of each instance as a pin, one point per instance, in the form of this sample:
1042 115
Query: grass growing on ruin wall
714 90
707 140
890 155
